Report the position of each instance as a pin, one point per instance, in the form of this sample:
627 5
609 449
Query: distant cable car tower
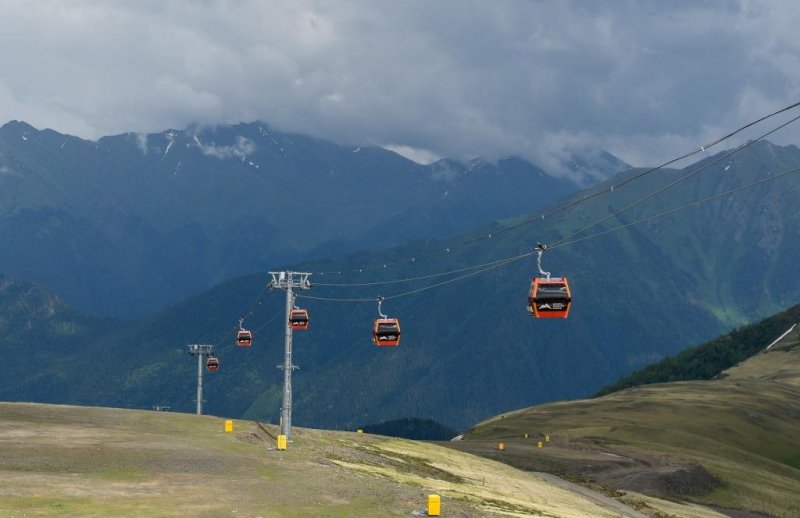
201 350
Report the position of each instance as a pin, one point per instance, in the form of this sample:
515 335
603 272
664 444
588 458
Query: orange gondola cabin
298 319
212 364
549 298
244 338
386 332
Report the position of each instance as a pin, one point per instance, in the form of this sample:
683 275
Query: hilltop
81 461
731 442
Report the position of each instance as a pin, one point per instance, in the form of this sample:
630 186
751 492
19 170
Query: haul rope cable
228 333
566 240
247 314
408 279
677 181
579 201
592 225
496 264
678 209
503 262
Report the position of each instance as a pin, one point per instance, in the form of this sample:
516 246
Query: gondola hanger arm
540 249
380 314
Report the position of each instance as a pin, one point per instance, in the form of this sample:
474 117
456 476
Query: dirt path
594 496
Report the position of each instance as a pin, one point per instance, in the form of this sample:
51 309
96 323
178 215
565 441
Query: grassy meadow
732 442
93 462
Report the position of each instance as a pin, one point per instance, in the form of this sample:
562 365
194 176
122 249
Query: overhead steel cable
249 312
579 201
508 260
676 182
681 208
408 279
493 265
268 322
449 281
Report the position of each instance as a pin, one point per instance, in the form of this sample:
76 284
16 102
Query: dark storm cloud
644 80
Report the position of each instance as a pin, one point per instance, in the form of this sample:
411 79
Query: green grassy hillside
709 359
732 442
99 462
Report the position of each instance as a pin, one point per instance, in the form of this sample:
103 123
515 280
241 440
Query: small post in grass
434 505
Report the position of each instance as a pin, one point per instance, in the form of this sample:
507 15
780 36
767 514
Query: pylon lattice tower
288 281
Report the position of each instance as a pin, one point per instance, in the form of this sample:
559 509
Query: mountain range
469 350
130 224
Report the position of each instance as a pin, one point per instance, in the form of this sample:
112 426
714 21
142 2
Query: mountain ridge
469 349
158 217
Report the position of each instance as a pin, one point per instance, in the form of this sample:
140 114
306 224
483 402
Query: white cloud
420 156
481 79
141 141
243 147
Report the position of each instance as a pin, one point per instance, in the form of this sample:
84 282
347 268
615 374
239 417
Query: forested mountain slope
133 223
469 350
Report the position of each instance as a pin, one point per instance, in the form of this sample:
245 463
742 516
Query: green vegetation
732 442
469 349
97 462
707 360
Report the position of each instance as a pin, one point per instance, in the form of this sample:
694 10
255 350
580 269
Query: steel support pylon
288 281
200 350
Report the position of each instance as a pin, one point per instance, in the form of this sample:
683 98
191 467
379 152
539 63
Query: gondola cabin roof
549 298
386 332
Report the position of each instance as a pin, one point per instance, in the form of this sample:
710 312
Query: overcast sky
644 80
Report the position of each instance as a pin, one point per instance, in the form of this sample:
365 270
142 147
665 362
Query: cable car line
679 209
494 265
268 322
677 181
548 297
574 203
701 149
590 226
249 312
408 279
508 260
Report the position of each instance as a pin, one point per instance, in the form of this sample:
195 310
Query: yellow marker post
546 438
540 445
434 505
281 442
228 425
501 446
